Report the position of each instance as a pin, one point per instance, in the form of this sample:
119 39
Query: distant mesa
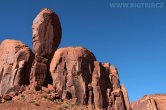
150 102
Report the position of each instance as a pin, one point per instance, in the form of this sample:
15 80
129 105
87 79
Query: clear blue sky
133 39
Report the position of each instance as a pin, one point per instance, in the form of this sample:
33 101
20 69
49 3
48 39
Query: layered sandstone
46 38
150 102
15 64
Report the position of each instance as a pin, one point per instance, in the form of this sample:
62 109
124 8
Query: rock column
46 38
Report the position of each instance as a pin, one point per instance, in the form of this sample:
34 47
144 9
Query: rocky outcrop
15 64
77 74
71 69
126 97
70 73
101 85
46 38
115 96
150 102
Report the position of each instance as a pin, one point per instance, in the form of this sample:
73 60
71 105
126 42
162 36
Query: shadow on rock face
15 64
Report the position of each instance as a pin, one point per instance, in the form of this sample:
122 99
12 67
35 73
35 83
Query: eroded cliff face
46 35
15 64
108 93
71 69
77 74
150 102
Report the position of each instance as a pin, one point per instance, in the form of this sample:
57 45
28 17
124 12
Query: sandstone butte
70 74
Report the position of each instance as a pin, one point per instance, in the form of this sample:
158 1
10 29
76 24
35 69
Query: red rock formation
71 69
108 88
126 97
15 64
76 74
150 102
46 38
101 85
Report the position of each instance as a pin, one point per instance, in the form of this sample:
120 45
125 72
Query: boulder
71 69
15 64
150 102
46 35
7 97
